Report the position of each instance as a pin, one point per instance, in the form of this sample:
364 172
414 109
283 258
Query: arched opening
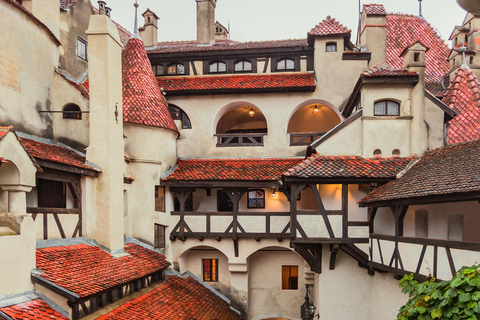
310 122
72 111
377 153
244 125
9 174
178 114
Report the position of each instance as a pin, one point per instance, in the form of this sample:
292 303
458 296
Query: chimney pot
108 11
101 7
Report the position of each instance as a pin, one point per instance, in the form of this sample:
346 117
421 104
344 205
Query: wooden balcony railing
421 256
56 212
305 138
240 139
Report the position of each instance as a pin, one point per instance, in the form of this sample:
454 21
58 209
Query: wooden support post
45 226
235 247
295 190
372 212
345 210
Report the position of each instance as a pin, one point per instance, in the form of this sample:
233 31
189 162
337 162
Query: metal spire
135 28
420 8
464 65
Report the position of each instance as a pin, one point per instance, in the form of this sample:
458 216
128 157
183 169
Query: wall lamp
274 195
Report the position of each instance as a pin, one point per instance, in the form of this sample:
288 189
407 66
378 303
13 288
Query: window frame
155 68
292 282
82 55
242 62
331 44
72 114
176 72
217 63
211 274
159 202
179 114
250 205
387 108
286 69
159 240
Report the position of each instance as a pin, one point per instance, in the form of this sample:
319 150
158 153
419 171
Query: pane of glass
180 69
290 64
281 64
213 67
239 66
393 108
159 199
380 108
285 276
172 69
247 66
222 67
331 47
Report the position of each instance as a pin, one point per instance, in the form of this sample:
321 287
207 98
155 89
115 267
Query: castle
217 179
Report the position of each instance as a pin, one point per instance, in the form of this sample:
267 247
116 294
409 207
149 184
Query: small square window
159 199
289 277
331 47
82 49
256 199
210 270
159 241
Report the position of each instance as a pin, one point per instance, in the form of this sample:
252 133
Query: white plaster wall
347 142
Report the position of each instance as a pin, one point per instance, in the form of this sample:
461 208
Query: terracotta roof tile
238 82
463 96
374 9
329 27
222 45
348 167
449 170
34 19
178 298
55 153
403 30
143 102
387 71
33 309
87 270
232 169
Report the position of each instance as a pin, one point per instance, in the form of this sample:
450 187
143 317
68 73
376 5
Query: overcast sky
253 20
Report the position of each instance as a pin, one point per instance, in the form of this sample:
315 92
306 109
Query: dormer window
286 64
158 69
331 47
243 65
82 49
72 111
217 67
386 108
176 68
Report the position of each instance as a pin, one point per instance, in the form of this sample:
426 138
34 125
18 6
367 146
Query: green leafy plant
456 299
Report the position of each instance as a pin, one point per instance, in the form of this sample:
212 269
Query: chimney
101 7
373 32
206 22
106 147
149 31
414 61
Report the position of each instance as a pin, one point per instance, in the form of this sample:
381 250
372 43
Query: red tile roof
463 96
86 84
387 71
329 27
79 87
404 30
178 298
33 309
348 167
231 169
238 82
454 169
55 153
374 9
87 270
143 102
34 19
221 45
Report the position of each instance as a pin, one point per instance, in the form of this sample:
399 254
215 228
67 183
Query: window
210 270
256 199
188 203
224 203
243 66
217 67
179 114
72 111
387 108
82 49
51 194
289 277
159 241
286 64
159 198
158 69
176 68
331 47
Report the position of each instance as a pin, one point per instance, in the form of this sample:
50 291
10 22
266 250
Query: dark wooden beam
345 210
333 255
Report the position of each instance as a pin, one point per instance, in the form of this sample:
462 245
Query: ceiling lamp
274 195
316 109
251 113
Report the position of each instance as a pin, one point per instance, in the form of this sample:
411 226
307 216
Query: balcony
240 139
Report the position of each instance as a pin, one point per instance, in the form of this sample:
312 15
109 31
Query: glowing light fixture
316 109
251 112
274 195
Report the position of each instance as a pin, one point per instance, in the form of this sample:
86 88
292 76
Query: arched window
243 65
395 152
179 114
256 199
158 69
176 68
217 67
72 111
421 223
455 227
331 47
377 153
386 108
286 64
